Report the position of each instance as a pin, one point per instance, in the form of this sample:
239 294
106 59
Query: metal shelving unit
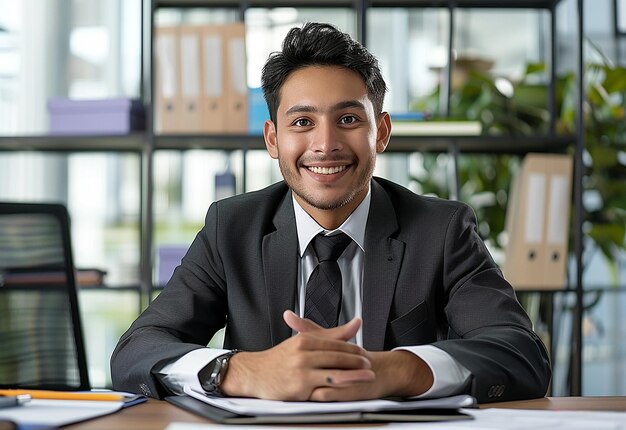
452 145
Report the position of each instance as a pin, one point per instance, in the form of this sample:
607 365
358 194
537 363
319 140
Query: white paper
248 406
514 419
58 412
199 426
489 419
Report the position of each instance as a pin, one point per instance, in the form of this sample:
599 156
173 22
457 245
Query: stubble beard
297 187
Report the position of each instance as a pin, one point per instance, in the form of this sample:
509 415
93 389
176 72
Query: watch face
208 375
220 370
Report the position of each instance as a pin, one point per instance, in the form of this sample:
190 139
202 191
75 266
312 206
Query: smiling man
326 136
333 285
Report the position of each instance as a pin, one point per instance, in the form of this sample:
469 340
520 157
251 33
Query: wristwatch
212 375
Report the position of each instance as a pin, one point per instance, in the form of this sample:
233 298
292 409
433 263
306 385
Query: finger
343 378
334 360
315 342
334 394
343 332
301 325
348 330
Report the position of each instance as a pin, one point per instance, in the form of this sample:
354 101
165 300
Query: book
435 128
409 116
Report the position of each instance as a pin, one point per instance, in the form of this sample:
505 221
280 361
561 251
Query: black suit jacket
428 280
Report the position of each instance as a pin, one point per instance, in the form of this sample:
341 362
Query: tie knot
329 248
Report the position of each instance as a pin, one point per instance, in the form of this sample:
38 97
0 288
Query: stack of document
234 410
59 408
495 419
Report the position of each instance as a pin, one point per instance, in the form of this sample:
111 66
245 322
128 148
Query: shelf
253 3
224 142
231 142
499 4
470 144
132 142
196 3
495 4
478 144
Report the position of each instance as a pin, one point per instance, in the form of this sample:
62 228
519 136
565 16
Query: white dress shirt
449 376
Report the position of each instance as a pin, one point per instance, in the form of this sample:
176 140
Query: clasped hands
319 364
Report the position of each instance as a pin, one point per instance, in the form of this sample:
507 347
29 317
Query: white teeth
327 170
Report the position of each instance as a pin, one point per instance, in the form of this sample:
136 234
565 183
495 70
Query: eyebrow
339 106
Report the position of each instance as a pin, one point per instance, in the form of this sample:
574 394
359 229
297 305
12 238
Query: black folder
223 416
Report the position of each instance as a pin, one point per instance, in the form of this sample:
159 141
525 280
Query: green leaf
532 68
615 80
608 237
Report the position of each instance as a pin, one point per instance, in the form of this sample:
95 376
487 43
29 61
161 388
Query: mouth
327 170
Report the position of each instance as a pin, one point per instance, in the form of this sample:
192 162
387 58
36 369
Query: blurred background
136 202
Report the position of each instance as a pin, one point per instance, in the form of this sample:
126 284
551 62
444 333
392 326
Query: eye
348 119
302 122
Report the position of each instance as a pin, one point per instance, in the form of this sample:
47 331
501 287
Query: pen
64 395
11 401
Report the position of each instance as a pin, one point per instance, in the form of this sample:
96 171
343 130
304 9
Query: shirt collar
353 226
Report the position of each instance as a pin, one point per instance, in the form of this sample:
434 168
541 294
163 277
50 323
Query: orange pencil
65 395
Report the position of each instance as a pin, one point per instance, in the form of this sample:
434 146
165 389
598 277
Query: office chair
41 343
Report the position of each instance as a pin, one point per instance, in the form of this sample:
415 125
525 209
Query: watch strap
212 374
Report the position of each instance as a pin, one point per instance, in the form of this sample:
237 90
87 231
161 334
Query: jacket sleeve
184 317
489 332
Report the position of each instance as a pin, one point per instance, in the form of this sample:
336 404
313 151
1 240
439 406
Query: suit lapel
383 258
280 264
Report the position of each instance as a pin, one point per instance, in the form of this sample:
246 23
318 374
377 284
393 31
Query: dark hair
317 44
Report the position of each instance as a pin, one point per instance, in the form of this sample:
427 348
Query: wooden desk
152 415
156 415
566 403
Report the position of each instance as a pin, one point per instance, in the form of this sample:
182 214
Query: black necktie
323 290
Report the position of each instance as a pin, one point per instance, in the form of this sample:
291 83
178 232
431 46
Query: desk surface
156 415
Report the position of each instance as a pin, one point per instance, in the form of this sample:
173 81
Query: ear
384 132
269 134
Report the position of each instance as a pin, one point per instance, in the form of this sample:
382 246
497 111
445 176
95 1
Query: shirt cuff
184 370
449 376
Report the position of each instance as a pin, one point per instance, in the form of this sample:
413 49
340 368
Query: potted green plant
485 179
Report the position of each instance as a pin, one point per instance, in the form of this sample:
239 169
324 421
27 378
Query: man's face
326 139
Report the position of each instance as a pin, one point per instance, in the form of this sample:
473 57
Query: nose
326 138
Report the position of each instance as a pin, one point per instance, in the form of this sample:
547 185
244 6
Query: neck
330 219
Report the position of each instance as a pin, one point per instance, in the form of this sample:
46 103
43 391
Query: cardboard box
102 117
169 257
